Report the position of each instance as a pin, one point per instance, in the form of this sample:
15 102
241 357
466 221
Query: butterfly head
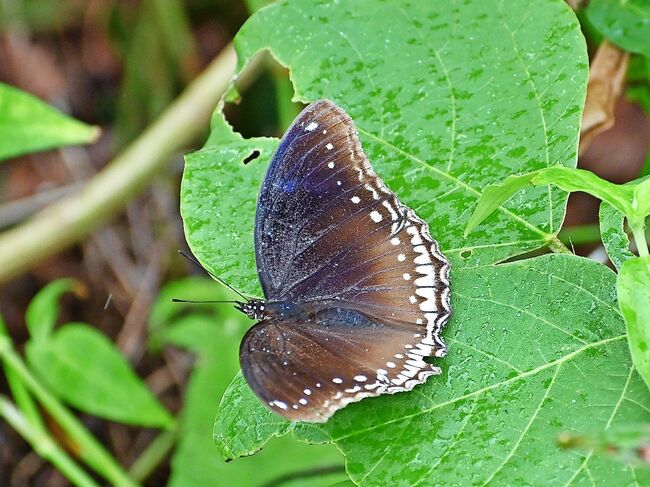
255 309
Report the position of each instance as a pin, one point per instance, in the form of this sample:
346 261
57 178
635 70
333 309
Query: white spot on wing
406 276
355 200
311 127
401 257
337 380
280 404
360 378
330 165
329 146
391 210
394 241
376 216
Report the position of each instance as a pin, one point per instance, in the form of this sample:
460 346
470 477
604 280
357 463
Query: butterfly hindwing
307 370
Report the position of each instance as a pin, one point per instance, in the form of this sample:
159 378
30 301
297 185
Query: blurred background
118 65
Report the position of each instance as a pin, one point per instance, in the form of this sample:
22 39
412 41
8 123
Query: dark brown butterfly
356 289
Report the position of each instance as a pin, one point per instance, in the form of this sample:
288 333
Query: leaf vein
526 429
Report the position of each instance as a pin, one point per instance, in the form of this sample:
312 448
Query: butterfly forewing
329 234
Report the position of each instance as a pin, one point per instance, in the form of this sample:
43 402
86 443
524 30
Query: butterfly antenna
198 264
176 300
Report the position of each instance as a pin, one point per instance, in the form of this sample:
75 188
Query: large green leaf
633 288
85 369
29 125
447 99
624 22
537 348
213 332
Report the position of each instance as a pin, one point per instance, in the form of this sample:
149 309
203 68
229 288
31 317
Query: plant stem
151 457
580 234
556 245
44 445
637 225
89 449
74 217
21 395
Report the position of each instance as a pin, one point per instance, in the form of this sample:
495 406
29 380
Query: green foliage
533 345
85 369
633 288
459 124
27 391
624 22
631 200
213 332
29 125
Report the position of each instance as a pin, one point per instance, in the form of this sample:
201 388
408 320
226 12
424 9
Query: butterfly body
356 289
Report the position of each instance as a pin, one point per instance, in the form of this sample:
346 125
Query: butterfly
357 291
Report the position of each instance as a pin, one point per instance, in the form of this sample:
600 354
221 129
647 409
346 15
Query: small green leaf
568 179
624 22
494 196
613 235
533 344
29 125
43 310
86 370
633 289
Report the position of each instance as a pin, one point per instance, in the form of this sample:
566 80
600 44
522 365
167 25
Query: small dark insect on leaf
254 155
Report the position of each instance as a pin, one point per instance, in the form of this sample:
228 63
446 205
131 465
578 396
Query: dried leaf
606 79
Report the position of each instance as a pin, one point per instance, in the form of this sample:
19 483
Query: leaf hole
265 109
253 155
